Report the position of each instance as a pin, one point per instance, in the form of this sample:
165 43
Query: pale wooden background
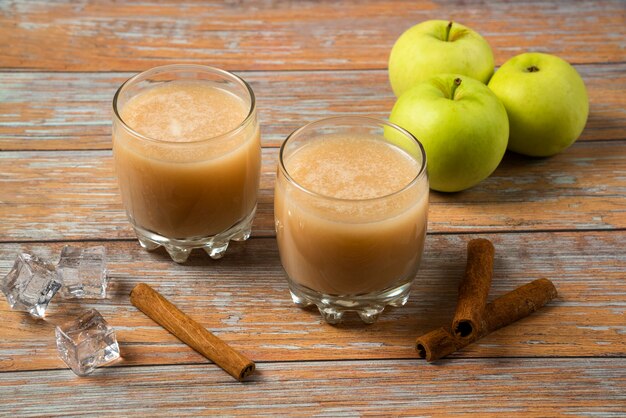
562 218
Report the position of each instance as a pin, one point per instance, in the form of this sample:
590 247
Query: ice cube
83 272
87 342
30 284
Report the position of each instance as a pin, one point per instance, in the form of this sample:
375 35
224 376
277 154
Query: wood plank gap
523 231
237 70
419 362
58 150
59 241
435 233
268 147
14 70
246 71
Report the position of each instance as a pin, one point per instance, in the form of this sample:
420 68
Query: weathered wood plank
244 299
73 110
291 54
61 195
485 387
272 35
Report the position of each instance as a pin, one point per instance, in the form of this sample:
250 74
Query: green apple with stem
435 47
462 126
546 101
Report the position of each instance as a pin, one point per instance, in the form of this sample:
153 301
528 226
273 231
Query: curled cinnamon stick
163 312
474 289
503 311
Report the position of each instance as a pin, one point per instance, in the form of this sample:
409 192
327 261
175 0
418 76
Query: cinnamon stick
163 312
436 344
517 304
503 311
474 289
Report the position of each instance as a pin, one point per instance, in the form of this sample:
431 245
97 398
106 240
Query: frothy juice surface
351 168
192 178
362 229
184 111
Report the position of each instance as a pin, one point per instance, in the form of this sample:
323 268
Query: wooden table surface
562 217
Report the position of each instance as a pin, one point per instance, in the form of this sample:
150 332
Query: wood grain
73 195
73 110
243 299
484 387
271 35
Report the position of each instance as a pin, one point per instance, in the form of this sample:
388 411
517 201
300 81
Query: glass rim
368 119
179 67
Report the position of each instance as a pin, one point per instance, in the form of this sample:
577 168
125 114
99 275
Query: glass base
179 249
368 307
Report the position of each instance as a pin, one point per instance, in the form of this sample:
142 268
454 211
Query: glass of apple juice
186 146
351 206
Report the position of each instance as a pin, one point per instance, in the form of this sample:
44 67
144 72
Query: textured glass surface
86 342
83 272
30 284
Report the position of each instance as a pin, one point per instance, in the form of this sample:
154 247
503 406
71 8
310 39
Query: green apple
462 126
546 101
435 47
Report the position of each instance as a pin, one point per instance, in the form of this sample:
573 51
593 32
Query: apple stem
448 30
457 83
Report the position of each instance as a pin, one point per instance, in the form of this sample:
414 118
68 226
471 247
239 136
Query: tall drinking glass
187 153
351 204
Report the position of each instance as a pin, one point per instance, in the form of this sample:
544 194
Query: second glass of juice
351 205
187 153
